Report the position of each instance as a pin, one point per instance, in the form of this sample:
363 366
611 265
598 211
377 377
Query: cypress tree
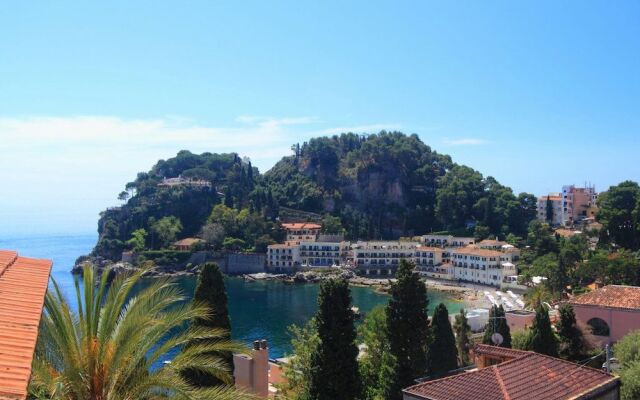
497 324
572 343
463 337
542 338
334 364
210 291
443 355
407 328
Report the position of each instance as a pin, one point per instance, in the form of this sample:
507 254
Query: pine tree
443 355
572 342
408 328
463 337
543 340
334 362
211 292
497 324
549 211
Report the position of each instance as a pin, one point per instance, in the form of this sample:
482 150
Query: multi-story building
430 262
381 258
556 206
283 257
570 206
578 203
488 267
302 231
446 240
323 254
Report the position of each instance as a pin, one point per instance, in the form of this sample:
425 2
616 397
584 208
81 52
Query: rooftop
188 241
492 242
23 284
301 225
528 376
429 248
612 296
475 251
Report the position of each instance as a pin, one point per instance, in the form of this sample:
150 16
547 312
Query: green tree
630 377
210 292
137 242
549 211
298 371
573 345
166 230
619 213
543 339
332 225
334 361
443 354
376 357
521 339
407 328
213 233
627 350
463 337
231 243
107 348
497 324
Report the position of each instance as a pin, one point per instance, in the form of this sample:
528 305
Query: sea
258 310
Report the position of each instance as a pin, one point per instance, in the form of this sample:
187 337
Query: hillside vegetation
380 186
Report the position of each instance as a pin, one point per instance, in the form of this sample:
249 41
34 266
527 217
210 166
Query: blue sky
536 94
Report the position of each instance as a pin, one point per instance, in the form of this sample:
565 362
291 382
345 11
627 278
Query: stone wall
236 264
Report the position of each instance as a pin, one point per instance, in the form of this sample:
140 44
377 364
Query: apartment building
570 206
323 254
381 258
478 265
578 203
283 257
556 205
446 240
302 231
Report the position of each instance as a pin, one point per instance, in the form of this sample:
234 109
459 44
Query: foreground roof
23 284
612 296
528 376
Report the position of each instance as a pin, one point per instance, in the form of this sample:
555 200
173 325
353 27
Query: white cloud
464 142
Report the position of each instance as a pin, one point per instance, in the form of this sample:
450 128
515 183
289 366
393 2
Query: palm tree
106 350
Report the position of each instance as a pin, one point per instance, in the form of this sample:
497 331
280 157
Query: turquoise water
258 310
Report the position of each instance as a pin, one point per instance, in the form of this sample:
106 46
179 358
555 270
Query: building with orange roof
23 285
609 313
302 231
507 374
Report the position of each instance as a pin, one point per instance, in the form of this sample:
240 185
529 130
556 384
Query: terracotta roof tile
530 376
301 225
23 284
613 296
502 352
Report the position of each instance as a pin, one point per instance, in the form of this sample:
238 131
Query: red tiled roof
23 284
301 225
531 376
613 296
503 352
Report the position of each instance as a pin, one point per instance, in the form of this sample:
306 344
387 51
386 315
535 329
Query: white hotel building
488 267
323 254
381 258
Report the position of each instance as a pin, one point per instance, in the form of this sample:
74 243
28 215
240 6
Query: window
598 327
